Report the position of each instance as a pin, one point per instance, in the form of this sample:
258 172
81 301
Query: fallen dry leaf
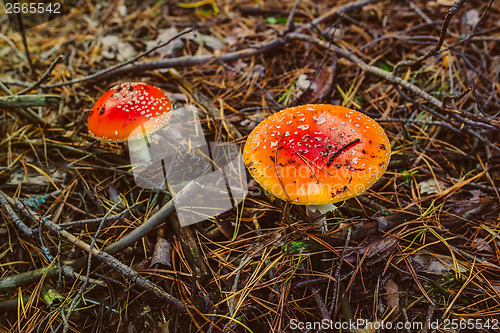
392 294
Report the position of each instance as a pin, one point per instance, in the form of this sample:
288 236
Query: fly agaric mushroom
129 112
317 155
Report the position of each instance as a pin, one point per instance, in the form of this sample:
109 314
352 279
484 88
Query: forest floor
420 248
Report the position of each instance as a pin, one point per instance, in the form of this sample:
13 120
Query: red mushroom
317 155
129 112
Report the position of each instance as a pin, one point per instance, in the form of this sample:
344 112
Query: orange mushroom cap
128 111
317 154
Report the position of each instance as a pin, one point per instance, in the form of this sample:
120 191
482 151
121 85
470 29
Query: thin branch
444 28
344 147
120 268
395 79
25 44
290 23
44 77
108 71
13 216
336 283
15 281
83 287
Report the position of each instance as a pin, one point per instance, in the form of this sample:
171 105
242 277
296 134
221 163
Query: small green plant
287 94
386 67
274 20
407 174
439 91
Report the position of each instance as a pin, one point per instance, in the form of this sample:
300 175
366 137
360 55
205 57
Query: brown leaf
392 294
432 265
378 248
322 82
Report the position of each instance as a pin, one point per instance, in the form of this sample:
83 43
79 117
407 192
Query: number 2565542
32 8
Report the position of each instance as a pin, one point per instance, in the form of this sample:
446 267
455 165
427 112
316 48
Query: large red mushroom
317 155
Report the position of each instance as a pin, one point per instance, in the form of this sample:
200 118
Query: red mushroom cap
317 154
128 111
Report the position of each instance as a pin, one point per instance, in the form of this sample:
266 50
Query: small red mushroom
129 112
317 155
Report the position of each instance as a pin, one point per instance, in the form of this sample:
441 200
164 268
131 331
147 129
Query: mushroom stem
320 211
140 149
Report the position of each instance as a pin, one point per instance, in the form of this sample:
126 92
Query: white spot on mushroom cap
319 120
303 127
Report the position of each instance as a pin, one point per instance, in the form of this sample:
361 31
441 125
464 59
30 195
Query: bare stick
15 101
158 218
320 303
290 24
444 28
76 299
394 79
336 283
25 43
15 281
189 60
341 150
101 255
120 268
89 221
44 77
24 113
107 71
13 216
